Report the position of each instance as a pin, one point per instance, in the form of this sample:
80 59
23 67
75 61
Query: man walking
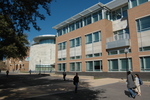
76 81
130 84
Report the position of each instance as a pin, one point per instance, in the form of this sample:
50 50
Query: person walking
76 81
30 71
131 84
64 75
7 72
137 83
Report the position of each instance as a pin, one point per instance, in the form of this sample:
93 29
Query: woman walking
137 83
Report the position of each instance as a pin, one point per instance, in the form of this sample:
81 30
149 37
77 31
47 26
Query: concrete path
21 86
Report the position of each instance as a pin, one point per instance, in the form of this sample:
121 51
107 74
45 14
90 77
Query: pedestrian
30 71
131 84
7 72
64 75
0 70
137 83
76 81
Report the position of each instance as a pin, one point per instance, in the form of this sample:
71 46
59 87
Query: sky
60 10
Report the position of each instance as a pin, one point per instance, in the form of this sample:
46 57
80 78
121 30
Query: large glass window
143 24
93 37
113 65
75 42
119 13
137 2
134 3
71 27
96 37
62 67
88 38
62 46
145 63
75 66
89 20
95 17
124 11
89 66
97 65
124 64
78 41
94 65
72 43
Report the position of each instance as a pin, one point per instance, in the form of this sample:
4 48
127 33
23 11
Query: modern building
42 54
105 39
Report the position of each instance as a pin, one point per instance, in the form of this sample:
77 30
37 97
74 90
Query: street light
40 68
126 51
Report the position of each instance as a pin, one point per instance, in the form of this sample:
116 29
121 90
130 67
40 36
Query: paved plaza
18 86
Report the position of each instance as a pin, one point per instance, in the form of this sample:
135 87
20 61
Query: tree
16 16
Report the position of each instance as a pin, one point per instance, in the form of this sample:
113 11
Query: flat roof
42 37
110 5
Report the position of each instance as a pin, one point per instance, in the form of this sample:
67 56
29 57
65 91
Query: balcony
119 40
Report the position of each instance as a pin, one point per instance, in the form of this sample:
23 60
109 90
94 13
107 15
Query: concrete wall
42 54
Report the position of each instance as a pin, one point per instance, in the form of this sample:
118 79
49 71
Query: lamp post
126 51
40 68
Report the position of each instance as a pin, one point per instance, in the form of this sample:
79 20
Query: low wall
143 75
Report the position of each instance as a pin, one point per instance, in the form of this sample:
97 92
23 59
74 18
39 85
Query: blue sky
61 10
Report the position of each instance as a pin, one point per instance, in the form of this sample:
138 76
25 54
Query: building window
94 65
143 24
61 59
72 57
89 55
124 11
95 17
96 37
62 67
145 48
144 63
72 43
118 51
119 13
75 66
137 2
78 57
97 54
78 41
89 66
113 65
93 37
71 27
88 38
113 52
124 64
75 42
62 46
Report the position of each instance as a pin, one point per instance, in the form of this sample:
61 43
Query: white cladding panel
119 24
97 48
41 54
144 38
89 49
72 52
78 51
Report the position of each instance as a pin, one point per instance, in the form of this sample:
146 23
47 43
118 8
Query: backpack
140 81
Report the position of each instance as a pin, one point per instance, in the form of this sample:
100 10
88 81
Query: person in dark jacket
64 75
76 81
131 84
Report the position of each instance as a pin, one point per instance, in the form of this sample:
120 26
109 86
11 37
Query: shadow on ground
84 94
37 87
